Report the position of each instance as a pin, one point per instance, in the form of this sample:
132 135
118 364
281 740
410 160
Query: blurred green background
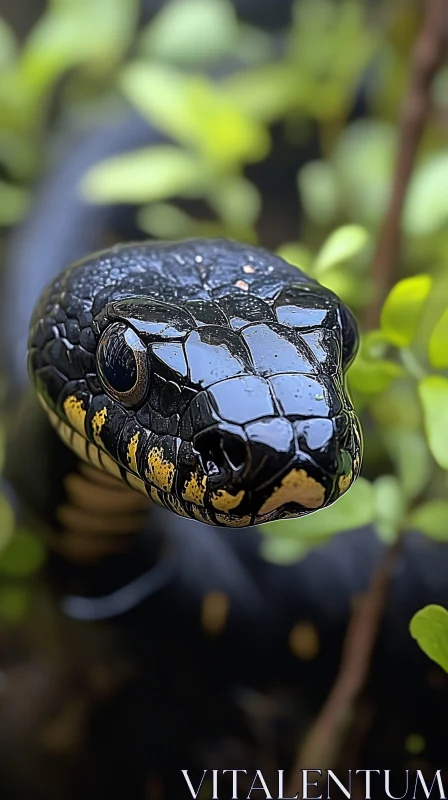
283 131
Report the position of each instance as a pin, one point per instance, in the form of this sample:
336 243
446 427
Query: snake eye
122 364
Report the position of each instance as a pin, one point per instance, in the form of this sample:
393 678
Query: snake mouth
326 463
301 490
235 476
276 468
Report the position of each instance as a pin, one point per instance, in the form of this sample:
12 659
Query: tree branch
426 57
321 748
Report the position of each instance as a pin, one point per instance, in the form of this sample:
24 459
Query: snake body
207 374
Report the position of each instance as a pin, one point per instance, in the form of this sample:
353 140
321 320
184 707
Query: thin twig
323 742
426 57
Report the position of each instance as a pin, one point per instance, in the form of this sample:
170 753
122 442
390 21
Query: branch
328 732
426 57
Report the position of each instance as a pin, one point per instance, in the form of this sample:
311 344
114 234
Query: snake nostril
235 452
220 452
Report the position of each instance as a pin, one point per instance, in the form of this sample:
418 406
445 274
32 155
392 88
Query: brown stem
327 733
426 57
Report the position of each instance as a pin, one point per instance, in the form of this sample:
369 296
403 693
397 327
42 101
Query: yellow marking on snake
160 470
224 501
132 452
194 489
98 424
345 482
296 487
75 413
233 522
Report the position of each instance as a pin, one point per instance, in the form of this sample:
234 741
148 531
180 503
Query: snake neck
98 517
86 514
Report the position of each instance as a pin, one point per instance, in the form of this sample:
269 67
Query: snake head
207 374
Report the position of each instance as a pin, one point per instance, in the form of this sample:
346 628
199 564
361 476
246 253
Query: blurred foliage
335 77
430 629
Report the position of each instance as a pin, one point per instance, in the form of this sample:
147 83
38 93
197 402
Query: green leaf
438 343
330 46
13 203
94 32
431 518
398 407
415 744
191 31
401 311
429 627
23 556
363 159
319 191
266 93
8 44
341 246
390 506
253 46
433 392
296 254
375 344
352 289
165 221
372 377
236 200
13 603
159 93
19 156
153 173
426 207
6 524
353 510
188 108
409 452
280 550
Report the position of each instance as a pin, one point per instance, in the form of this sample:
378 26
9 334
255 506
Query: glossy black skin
242 377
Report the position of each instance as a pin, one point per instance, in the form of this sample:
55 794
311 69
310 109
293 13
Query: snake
208 375
97 339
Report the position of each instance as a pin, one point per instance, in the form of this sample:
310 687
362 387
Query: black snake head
207 374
